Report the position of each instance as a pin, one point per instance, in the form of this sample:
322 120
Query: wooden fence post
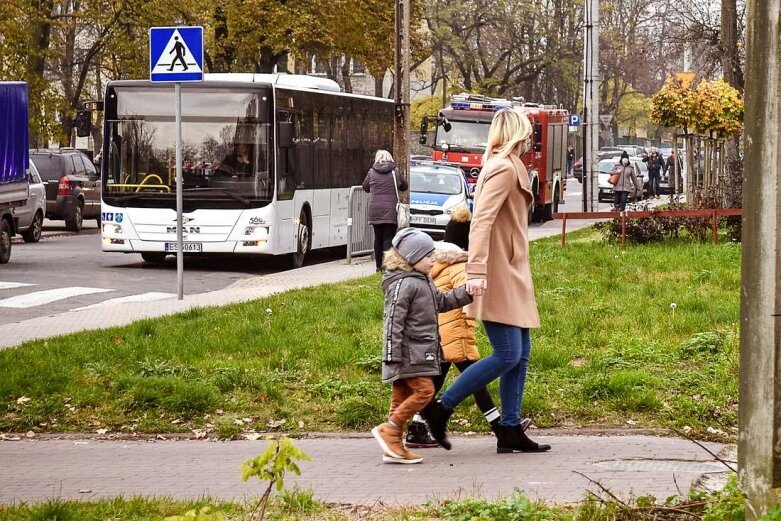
623 227
564 230
715 227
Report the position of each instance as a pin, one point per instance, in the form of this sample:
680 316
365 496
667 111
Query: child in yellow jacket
457 338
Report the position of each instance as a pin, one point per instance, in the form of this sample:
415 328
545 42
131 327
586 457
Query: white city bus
268 160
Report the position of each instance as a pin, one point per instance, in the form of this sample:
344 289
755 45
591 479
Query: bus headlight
257 232
111 228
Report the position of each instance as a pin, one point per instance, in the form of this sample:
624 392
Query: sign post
176 55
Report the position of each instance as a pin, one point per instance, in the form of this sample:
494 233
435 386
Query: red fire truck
461 133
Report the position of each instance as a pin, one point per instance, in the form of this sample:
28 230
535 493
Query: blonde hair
509 128
392 260
383 156
461 214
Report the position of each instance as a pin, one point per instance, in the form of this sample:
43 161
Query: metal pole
759 443
179 203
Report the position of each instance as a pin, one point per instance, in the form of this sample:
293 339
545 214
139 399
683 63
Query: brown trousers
410 395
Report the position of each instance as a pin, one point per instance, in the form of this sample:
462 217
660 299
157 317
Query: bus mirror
83 123
444 123
423 130
285 134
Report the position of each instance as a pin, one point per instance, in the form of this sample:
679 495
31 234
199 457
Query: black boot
513 439
418 436
436 416
495 425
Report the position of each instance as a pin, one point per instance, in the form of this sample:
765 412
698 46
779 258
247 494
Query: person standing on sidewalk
655 166
459 346
499 276
627 182
669 171
411 354
379 184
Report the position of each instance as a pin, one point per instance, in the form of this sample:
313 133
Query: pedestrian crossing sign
175 54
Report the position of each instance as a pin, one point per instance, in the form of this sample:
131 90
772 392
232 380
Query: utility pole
759 437
401 128
590 105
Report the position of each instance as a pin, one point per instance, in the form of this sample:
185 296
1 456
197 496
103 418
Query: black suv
72 185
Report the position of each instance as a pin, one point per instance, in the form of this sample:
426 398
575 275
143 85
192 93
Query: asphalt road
66 271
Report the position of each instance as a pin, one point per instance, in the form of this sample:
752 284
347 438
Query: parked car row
64 185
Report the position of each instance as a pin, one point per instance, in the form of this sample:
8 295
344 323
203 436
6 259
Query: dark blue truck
14 159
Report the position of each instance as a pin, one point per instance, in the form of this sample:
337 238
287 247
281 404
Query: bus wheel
5 241
153 257
303 241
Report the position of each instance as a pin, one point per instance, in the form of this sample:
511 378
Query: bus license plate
187 247
421 219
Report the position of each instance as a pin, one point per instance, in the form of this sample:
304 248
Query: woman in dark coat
379 183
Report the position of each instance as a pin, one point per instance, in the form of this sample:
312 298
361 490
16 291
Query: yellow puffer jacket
457 331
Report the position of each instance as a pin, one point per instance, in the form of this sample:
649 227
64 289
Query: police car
435 190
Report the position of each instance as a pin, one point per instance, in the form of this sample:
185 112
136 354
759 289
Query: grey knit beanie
413 244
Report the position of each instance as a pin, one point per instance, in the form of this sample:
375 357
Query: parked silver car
29 216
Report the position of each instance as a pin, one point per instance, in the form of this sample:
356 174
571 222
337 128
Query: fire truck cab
461 135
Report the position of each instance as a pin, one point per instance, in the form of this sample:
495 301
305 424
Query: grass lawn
298 505
645 336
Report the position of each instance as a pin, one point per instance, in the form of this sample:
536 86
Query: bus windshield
226 138
464 136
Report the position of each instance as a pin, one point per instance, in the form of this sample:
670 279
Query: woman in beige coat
499 275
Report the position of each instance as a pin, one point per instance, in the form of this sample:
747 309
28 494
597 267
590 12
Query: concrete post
759 441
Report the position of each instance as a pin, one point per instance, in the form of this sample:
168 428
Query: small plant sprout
279 457
673 305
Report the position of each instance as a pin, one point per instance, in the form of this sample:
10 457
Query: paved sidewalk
350 470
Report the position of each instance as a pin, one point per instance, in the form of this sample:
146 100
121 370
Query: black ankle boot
513 439
418 437
436 416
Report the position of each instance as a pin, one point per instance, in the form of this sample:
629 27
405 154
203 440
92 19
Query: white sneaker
408 459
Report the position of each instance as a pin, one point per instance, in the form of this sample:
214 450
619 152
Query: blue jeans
620 200
511 350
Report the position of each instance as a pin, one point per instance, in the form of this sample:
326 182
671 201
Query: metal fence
360 235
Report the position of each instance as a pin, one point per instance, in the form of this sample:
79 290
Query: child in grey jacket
411 350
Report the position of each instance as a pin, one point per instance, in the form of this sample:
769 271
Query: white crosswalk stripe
39 298
143 297
12 285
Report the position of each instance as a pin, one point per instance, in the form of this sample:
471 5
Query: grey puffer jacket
410 332
382 193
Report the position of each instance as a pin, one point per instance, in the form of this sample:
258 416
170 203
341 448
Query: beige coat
499 245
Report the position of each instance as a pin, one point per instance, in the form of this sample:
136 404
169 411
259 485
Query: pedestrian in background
380 183
627 182
669 171
499 275
457 228
655 166
570 159
457 337
411 354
